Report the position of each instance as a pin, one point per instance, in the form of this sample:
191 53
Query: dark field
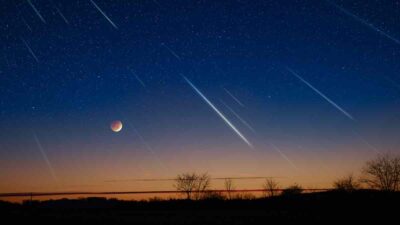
326 207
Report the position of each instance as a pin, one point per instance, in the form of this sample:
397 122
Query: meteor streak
30 49
321 94
171 51
218 112
26 24
149 148
61 15
366 23
138 79
284 156
239 117
36 11
44 155
146 145
103 13
233 97
372 147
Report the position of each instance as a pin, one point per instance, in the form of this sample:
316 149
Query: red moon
116 126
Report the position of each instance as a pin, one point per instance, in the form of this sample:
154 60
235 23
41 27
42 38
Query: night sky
302 90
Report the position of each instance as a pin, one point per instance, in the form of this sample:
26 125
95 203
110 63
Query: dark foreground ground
315 208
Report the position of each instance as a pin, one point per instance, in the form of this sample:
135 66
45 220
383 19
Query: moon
116 126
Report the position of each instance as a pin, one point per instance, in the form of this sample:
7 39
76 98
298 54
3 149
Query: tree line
381 173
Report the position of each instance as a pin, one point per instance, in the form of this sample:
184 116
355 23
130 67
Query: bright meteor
30 49
44 155
104 14
284 156
370 25
61 15
218 112
237 116
233 97
172 52
36 11
321 94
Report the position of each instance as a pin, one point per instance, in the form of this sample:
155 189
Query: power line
173 179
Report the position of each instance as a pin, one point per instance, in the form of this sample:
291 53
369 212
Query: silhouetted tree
192 183
186 182
294 189
347 183
383 173
203 183
229 187
270 186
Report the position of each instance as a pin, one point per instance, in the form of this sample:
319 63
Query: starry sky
301 90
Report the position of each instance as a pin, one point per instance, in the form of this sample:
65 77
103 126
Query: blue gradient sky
85 78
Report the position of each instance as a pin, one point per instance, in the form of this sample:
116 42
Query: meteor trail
30 49
36 11
105 16
44 155
146 145
366 142
320 93
171 51
26 24
218 112
149 148
61 15
284 156
233 97
366 23
138 79
237 116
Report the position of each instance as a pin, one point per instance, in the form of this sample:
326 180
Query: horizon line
32 194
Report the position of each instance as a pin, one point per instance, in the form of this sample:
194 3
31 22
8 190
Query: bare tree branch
270 186
347 183
192 184
229 187
382 173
